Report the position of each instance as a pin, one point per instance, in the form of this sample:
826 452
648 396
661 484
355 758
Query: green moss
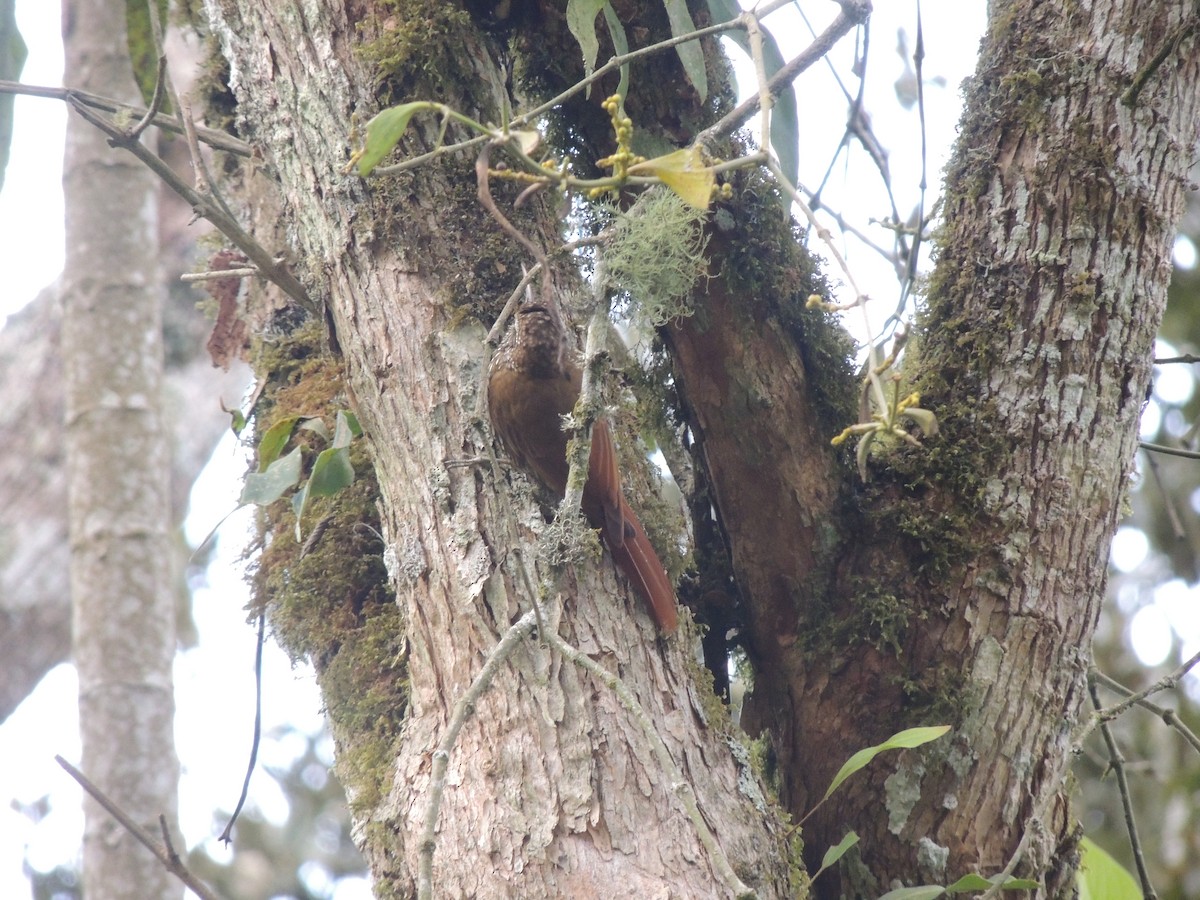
416 41
936 696
769 265
328 600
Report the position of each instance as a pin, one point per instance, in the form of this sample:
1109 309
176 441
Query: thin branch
463 710
220 273
218 140
1167 682
1186 358
1169 451
1116 762
1169 716
854 12
156 100
165 854
270 268
1168 500
227 834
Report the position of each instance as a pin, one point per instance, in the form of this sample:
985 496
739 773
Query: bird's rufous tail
635 557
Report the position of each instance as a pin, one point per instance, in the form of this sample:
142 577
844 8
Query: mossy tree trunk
961 582
553 789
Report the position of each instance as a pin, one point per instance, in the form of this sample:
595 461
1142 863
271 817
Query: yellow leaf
684 172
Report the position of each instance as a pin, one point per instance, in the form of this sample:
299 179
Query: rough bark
552 788
962 581
123 629
968 584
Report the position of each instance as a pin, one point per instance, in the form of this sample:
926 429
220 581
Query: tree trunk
966 587
960 585
123 630
553 789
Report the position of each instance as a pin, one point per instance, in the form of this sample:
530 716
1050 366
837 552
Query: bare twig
1116 762
218 140
853 13
227 834
1169 451
269 267
463 710
164 852
1169 716
1167 682
156 100
220 273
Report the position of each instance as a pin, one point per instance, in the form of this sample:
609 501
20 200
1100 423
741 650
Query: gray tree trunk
123 626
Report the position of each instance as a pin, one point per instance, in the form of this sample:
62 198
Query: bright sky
214 681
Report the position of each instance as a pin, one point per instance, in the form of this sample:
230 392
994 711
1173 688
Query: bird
534 379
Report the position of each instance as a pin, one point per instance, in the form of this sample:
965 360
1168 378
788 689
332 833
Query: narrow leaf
836 852
317 426
911 737
924 892
690 53
925 420
384 132
616 31
299 501
785 118
581 22
1100 877
264 488
345 430
973 882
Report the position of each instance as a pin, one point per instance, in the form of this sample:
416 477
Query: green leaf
264 488
317 426
384 133
910 737
237 421
12 60
346 429
923 892
785 117
1100 877
836 852
143 52
975 882
684 172
581 22
299 501
690 53
616 31
331 472
274 440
